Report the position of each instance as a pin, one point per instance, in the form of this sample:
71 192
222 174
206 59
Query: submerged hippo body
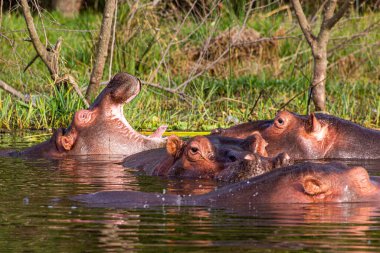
214 157
300 183
316 136
102 129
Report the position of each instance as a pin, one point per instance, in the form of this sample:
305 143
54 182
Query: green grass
353 86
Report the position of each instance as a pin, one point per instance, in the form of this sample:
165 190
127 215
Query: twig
182 95
353 53
256 102
304 24
102 50
221 56
42 22
49 58
1 12
131 15
343 44
14 92
113 41
154 72
31 62
298 94
67 78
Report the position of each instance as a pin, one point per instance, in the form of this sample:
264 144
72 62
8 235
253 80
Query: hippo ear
282 160
315 187
174 145
313 125
361 179
256 144
65 142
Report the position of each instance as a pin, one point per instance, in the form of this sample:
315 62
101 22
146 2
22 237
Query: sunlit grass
353 88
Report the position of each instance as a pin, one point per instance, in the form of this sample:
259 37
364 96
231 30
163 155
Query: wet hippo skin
211 157
300 183
102 129
316 136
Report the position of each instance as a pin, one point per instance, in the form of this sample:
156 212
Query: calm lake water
36 216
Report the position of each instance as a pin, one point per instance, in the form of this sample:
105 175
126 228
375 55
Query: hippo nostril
232 158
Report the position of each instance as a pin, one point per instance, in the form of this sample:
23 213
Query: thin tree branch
31 62
42 22
343 44
210 65
377 44
304 24
334 19
67 78
1 12
14 92
102 51
113 42
154 72
49 58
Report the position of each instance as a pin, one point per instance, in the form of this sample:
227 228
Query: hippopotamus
300 183
102 128
211 157
316 136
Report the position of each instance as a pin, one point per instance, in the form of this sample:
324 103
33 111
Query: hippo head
221 158
315 183
103 129
303 137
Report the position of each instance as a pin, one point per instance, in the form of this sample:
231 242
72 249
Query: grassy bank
225 94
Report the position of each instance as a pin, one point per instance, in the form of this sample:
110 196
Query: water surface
35 215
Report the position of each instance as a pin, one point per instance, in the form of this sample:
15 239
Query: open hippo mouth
103 129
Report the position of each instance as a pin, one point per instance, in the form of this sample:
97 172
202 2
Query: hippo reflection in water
300 183
102 129
316 136
210 157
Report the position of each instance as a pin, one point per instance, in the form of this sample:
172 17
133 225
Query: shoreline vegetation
269 69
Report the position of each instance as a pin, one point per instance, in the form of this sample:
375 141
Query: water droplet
25 201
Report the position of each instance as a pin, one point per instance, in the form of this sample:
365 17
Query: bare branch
14 92
1 12
158 86
329 9
304 24
221 56
329 23
102 51
49 58
154 72
113 42
67 78
361 49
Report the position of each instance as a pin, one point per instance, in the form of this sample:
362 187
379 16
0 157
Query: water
35 215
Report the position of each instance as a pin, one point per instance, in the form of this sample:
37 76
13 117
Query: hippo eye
280 122
194 150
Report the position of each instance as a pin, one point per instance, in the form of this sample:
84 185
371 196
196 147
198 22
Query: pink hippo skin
316 136
300 183
102 129
210 157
